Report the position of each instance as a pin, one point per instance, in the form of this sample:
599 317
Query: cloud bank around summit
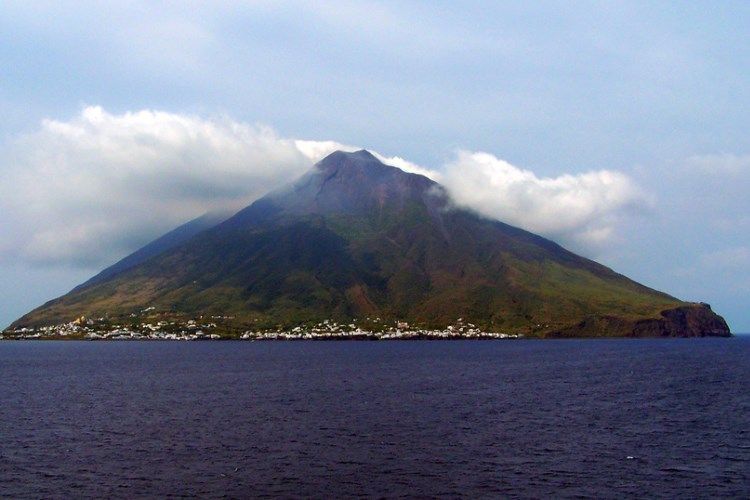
91 189
582 208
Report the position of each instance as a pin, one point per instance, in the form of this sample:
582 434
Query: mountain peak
337 160
362 166
355 237
344 183
363 154
347 182
339 155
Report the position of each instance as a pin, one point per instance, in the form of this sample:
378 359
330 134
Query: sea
477 419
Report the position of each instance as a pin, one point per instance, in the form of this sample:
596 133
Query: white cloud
408 166
581 209
94 188
317 150
99 185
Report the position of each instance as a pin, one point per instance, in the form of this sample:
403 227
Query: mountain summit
355 238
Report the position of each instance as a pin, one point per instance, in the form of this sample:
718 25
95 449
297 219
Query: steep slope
355 238
160 245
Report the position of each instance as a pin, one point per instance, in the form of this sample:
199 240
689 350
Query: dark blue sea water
589 418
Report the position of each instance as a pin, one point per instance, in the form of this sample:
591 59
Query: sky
618 129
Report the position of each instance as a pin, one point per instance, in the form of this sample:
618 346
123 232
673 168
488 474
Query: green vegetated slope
355 238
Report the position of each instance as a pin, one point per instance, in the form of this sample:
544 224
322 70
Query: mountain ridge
356 238
163 243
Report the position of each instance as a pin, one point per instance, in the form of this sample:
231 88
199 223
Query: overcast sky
619 129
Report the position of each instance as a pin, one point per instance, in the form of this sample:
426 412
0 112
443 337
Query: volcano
354 239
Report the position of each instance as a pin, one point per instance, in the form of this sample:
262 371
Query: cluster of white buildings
101 329
330 330
375 335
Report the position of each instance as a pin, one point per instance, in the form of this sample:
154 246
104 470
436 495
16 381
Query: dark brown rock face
694 320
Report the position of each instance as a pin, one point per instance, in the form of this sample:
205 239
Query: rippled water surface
606 418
